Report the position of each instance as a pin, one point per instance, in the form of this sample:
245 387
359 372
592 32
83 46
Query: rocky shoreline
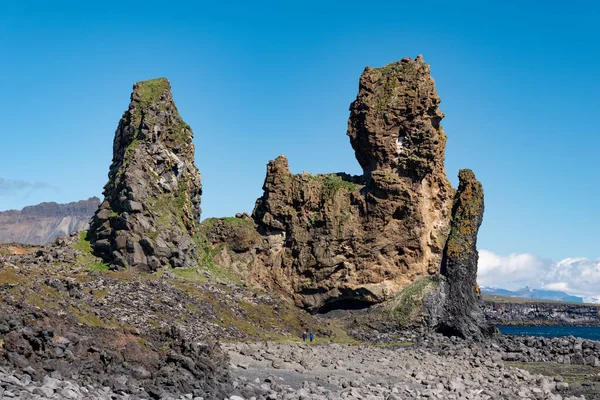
431 367
151 303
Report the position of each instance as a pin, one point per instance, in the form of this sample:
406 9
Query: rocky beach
432 368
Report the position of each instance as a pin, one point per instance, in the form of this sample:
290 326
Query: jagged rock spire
462 315
152 199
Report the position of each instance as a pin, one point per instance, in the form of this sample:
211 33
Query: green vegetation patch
190 274
334 183
86 316
407 305
10 276
233 222
168 210
571 373
206 254
151 90
87 260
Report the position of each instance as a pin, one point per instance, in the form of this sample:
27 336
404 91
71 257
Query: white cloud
10 187
509 272
575 275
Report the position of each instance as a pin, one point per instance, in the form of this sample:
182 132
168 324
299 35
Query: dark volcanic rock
43 223
152 200
164 363
131 331
336 240
462 312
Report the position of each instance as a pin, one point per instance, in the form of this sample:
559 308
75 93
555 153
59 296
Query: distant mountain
43 223
529 293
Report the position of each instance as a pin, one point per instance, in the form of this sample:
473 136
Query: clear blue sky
519 85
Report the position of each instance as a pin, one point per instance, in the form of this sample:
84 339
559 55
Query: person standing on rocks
304 336
311 336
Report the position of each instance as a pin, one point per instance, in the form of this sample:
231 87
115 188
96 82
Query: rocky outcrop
462 314
95 356
528 312
43 223
347 240
151 206
64 314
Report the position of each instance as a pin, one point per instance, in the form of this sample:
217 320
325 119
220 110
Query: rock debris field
333 371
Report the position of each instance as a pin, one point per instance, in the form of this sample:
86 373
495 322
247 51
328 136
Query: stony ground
71 329
20 386
298 371
330 371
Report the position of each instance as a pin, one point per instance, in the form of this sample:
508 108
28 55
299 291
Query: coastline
516 311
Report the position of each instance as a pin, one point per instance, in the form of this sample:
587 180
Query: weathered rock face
338 238
394 123
43 223
152 200
462 315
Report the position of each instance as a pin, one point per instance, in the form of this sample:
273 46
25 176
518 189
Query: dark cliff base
516 311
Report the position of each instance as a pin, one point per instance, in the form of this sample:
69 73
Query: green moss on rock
150 91
407 305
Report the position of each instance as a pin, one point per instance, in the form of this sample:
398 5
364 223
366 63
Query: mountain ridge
531 293
43 223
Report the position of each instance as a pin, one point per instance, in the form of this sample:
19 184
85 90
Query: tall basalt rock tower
462 314
151 207
356 240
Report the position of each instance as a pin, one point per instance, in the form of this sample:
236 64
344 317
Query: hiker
304 336
312 336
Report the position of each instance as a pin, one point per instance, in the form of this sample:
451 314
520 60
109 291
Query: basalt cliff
152 201
338 241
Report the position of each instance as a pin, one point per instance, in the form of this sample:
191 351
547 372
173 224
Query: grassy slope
249 313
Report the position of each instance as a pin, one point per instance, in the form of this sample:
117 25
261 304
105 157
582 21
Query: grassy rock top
150 91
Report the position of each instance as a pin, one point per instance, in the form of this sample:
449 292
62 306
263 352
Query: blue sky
519 86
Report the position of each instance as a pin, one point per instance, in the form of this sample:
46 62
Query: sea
586 332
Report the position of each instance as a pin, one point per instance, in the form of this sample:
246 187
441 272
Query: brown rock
337 240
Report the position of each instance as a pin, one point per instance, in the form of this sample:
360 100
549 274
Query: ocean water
586 332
